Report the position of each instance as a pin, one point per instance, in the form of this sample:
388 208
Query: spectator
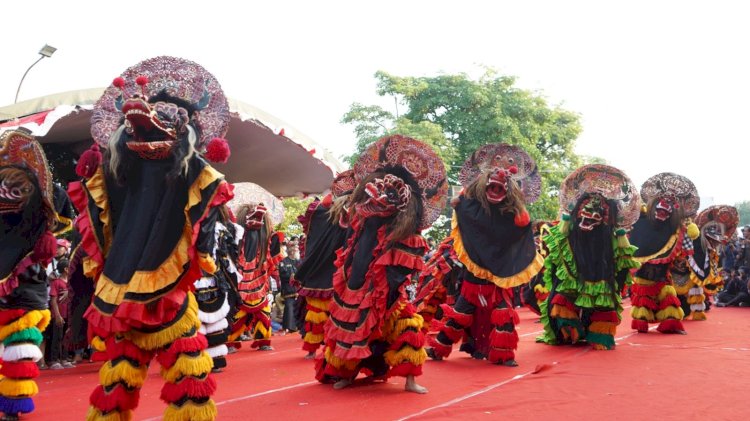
736 291
287 269
59 299
743 251
729 256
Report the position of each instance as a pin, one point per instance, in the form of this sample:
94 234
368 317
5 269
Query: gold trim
670 243
144 282
503 282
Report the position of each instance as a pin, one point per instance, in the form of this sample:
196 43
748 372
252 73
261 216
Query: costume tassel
89 161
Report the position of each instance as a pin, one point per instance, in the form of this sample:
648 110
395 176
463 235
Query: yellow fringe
670 313
96 415
14 388
259 328
668 246
642 281
122 372
539 288
684 289
98 344
698 315
236 334
188 366
316 317
319 303
395 326
207 263
642 313
191 411
313 338
520 278
338 363
34 318
406 354
667 290
563 312
607 328
696 299
164 337
168 272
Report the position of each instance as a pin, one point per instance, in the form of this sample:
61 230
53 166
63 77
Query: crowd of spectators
735 261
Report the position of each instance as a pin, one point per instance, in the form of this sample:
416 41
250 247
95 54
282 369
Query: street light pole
46 51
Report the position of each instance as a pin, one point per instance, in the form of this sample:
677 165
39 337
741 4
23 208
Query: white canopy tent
265 150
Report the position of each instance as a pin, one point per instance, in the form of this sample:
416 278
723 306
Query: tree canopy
457 115
743 208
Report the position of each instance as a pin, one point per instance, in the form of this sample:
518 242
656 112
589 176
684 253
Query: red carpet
704 375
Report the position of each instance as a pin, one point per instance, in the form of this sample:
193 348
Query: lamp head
47 50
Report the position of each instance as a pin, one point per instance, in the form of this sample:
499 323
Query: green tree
373 122
293 207
470 113
743 208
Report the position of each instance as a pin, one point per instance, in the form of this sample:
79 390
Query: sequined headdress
723 214
669 184
176 77
419 160
19 148
502 155
610 183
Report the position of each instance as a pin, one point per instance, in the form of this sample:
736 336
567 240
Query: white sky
660 85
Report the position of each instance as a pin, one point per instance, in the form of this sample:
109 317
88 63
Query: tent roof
285 163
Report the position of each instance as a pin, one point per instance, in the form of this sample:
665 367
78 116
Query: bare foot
510 363
310 355
412 386
342 384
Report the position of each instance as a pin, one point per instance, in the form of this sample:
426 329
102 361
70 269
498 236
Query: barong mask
516 166
413 180
17 189
715 222
593 212
595 195
670 197
386 196
25 180
664 208
153 127
254 218
497 184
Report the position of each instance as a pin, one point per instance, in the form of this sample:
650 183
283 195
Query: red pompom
45 247
513 169
141 80
217 150
281 132
89 161
119 82
522 219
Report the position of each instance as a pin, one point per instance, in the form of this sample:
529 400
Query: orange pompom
522 219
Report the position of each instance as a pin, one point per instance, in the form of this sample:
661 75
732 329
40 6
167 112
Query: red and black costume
259 257
27 221
325 233
373 326
494 240
147 216
664 236
438 284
